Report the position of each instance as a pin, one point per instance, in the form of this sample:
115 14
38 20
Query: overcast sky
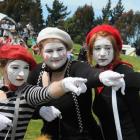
97 5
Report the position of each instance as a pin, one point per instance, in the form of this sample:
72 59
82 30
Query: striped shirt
29 97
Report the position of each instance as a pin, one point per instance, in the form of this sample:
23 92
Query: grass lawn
33 130
34 126
135 61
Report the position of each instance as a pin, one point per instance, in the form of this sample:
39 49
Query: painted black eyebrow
18 65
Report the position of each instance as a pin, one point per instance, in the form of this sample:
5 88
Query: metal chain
79 118
78 112
41 73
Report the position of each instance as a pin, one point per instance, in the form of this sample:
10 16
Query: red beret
17 52
107 28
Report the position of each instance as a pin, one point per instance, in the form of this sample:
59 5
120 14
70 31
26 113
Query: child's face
54 54
17 72
103 52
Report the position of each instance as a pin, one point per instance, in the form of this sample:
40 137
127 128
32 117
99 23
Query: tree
83 20
136 30
57 14
129 26
125 25
69 25
35 16
98 21
117 11
106 12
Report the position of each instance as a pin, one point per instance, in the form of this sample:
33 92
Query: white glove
76 85
121 84
110 78
114 79
4 122
49 113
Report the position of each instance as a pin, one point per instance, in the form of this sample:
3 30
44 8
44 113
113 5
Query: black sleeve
82 69
124 69
36 113
132 79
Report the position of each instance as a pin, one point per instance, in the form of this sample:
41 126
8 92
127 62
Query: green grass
76 48
33 130
135 61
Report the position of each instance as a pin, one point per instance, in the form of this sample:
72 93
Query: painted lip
102 59
19 79
57 60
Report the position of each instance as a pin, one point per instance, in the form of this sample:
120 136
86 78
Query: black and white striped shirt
29 97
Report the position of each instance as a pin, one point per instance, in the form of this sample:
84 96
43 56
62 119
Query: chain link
79 118
41 73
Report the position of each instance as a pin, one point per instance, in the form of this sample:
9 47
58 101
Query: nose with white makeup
21 73
102 52
55 54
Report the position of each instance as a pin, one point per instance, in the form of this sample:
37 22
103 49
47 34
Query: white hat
53 32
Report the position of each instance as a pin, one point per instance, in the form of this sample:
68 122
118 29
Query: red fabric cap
108 28
17 52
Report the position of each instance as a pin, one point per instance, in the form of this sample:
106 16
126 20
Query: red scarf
111 66
12 87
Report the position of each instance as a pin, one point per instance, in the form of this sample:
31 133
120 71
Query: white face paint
17 72
55 55
103 52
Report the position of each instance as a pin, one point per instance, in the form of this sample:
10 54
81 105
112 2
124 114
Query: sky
97 5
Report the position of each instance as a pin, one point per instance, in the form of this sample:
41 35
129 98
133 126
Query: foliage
109 15
82 21
117 12
136 30
57 14
125 25
36 16
98 21
69 26
84 17
106 12
76 49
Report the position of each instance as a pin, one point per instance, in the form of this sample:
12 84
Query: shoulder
80 64
81 68
124 68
